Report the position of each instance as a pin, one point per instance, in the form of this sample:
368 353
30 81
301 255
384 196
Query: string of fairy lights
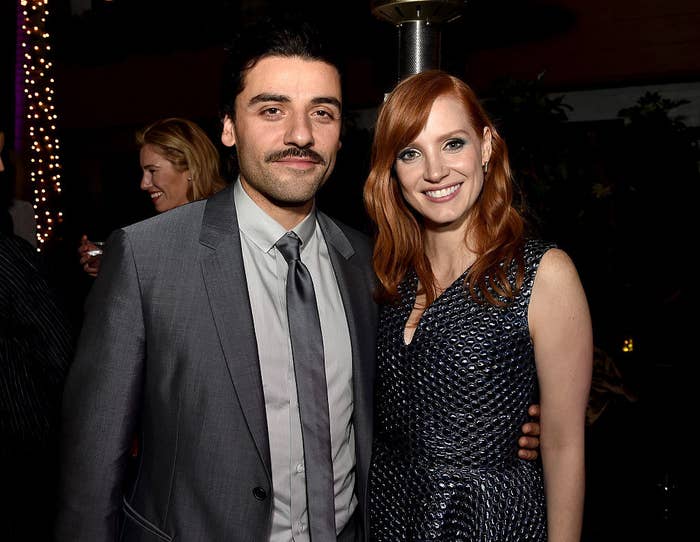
39 112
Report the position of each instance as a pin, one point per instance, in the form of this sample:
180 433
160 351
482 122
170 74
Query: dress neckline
412 284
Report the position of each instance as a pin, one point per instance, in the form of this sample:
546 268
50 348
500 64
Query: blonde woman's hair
188 148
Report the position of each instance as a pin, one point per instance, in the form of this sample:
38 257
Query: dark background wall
592 43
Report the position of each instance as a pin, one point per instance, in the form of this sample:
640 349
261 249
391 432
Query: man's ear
228 133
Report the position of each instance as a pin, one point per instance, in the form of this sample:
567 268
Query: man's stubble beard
286 191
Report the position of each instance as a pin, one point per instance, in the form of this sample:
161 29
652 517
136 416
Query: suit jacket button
259 493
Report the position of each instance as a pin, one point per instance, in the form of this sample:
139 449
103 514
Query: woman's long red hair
495 226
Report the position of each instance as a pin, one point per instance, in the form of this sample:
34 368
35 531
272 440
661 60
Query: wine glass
98 249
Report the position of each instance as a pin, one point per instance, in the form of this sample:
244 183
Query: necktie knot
288 245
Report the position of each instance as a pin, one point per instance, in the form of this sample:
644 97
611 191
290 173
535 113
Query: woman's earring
486 167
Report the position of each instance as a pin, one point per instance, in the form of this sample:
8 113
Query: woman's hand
90 262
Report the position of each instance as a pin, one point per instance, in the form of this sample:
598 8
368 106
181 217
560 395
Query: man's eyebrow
262 98
281 98
327 100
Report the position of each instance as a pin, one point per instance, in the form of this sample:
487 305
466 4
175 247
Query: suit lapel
355 284
227 290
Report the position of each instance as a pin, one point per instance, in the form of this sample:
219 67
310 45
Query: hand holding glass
97 249
90 253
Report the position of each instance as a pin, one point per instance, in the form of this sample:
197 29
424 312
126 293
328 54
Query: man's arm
36 347
529 443
100 401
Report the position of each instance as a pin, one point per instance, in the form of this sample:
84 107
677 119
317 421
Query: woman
180 164
477 321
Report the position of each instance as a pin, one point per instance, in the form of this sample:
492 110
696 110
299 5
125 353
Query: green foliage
652 109
528 99
617 195
527 116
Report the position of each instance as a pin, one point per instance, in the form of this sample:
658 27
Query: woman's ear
486 145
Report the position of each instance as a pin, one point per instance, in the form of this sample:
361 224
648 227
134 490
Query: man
36 347
19 212
186 341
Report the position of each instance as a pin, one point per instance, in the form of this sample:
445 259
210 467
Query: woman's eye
407 155
455 144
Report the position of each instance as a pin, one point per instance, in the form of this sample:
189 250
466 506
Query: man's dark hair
286 36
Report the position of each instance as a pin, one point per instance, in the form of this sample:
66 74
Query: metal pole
419 25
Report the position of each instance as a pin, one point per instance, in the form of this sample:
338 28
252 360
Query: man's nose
299 132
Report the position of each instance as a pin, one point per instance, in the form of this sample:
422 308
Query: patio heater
419 25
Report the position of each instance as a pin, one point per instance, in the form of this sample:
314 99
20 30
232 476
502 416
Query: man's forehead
295 77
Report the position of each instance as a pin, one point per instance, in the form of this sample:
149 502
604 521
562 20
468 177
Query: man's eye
324 114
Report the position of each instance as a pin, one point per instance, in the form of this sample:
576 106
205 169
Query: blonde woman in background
180 164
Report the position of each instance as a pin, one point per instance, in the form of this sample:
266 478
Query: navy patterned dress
449 411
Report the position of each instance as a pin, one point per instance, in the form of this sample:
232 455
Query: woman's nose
435 170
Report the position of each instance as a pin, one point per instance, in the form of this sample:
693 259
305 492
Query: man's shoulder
15 243
357 238
170 232
184 214
188 216
349 241
17 253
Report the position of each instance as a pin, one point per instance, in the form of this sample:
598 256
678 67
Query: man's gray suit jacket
168 351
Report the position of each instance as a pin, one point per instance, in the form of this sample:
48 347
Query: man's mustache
296 153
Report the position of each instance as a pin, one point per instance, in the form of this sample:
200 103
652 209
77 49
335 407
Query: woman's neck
448 254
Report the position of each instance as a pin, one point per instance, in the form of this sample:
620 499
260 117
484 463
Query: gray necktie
312 392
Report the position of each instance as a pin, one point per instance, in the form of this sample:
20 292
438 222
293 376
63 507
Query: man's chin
293 202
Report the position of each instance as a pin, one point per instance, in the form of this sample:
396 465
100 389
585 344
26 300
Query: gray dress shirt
266 274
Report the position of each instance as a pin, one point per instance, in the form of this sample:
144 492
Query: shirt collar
263 230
